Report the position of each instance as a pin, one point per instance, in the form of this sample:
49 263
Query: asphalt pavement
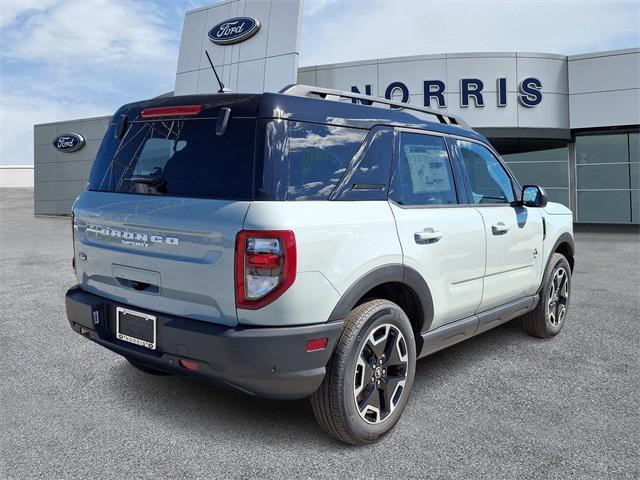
501 405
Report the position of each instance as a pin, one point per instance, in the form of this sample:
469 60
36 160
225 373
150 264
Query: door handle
499 228
428 235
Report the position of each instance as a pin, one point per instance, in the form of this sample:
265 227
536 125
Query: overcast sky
66 59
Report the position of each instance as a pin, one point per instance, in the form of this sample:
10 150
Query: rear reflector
184 110
317 344
189 364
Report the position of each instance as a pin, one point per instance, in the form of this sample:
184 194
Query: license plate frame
125 337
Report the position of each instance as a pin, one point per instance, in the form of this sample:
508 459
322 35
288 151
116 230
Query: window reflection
318 155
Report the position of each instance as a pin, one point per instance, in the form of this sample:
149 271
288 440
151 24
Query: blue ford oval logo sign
68 142
234 30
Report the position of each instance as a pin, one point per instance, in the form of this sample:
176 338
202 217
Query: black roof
277 105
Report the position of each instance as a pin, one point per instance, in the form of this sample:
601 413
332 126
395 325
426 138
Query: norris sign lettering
471 91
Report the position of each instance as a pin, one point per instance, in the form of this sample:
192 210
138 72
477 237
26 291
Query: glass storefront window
634 147
608 177
604 206
541 162
603 176
602 149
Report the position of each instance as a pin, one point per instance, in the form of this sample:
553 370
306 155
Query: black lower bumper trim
270 362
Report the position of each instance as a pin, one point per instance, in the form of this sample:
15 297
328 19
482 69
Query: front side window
487 178
423 175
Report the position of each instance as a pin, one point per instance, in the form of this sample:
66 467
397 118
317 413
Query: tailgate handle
140 286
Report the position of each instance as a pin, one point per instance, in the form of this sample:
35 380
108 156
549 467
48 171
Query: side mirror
533 196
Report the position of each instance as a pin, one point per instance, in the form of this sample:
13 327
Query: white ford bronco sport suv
308 243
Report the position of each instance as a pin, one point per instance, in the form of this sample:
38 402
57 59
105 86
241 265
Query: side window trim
398 131
515 185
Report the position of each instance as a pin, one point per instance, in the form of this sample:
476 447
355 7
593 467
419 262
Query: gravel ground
501 405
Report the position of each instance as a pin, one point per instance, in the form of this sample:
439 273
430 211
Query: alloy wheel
558 297
381 373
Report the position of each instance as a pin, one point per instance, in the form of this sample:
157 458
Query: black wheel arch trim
396 273
569 240
564 238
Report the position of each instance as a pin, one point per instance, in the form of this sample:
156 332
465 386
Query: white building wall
605 89
267 61
550 69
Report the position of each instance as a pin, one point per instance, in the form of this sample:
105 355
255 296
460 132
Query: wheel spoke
396 355
370 398
378 340
564 289
388 391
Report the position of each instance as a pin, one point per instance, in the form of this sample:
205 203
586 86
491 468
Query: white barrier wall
267 61
16 176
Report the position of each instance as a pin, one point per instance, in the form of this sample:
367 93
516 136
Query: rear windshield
179 158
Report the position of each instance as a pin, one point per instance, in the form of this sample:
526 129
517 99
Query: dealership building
567 123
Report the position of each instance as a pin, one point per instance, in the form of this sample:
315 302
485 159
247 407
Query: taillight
265 266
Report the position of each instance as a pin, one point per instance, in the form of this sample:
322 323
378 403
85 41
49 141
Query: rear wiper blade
145 179
155 177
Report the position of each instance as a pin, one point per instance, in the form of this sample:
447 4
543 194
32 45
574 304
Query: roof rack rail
331 94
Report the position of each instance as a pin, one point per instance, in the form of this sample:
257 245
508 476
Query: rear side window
179 158
317 157
368 175
423 175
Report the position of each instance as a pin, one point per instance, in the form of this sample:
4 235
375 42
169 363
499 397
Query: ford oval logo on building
68 142
234 30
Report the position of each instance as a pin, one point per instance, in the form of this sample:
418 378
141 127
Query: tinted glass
368 176
634 147
603 176
603 206
318 156
550 174
602 148
423 175
178 158
488 180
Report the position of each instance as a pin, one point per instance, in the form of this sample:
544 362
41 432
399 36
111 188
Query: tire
375 331
147 370
549 316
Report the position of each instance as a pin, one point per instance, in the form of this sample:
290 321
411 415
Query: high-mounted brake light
265 266
180 111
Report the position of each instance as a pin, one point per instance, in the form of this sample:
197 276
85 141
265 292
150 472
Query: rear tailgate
168 192
173 255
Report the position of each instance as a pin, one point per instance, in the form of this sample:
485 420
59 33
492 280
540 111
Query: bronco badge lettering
132 238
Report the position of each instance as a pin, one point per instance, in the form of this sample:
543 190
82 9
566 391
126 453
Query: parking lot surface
501 405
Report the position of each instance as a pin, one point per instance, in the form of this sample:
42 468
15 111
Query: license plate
135 327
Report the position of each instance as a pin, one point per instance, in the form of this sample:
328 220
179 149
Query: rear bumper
268 362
